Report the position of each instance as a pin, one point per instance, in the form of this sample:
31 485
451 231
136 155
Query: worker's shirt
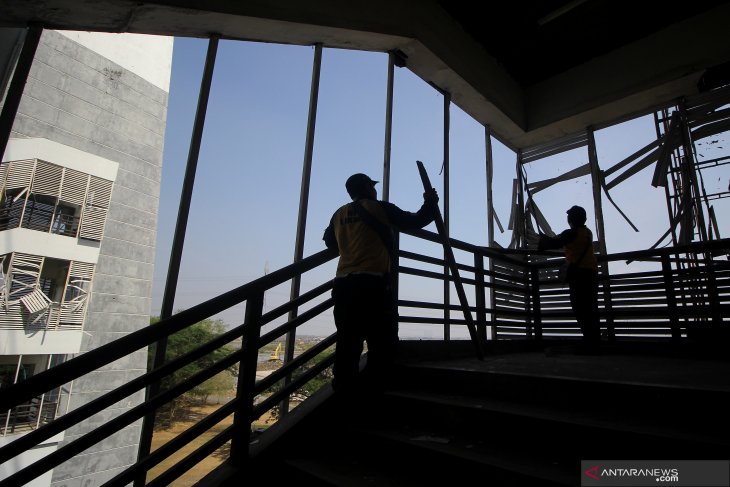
578 245
361 248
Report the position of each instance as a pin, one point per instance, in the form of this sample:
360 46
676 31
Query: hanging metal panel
698 105
578 172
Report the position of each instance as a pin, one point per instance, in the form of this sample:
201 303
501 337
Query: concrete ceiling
532 70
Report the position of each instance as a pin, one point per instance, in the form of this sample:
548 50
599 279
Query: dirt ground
201 469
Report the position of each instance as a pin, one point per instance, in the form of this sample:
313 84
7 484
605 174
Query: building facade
79 193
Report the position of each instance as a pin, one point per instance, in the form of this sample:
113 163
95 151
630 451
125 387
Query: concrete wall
81 99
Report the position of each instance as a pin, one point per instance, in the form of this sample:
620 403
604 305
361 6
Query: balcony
36 215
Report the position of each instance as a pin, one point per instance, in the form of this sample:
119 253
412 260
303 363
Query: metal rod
388 127
451 262
490 214
657 126
600 227
173 269
521 223
17 85
689 158
447 283
303 205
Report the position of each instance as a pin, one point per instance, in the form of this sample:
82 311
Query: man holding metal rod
365 309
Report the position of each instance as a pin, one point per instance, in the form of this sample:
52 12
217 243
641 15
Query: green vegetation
308 389
181 343
224 383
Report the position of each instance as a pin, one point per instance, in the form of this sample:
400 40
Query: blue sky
246 196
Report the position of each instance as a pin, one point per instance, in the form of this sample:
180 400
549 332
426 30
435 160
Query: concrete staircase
447 419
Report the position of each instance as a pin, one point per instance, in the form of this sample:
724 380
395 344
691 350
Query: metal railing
667 301
28 416
529 304
39 218
242 407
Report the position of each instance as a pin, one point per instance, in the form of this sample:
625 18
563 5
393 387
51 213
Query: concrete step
408 456
535 427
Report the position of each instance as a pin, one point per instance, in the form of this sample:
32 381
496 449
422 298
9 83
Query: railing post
247 380
480 299
671 298
536 311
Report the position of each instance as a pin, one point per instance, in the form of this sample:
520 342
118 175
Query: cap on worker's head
577 214
359 184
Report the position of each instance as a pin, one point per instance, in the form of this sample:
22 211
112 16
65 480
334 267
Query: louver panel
73 307
100 192
83 270
20 174
54 315
14 317
25 272
3 172
72 314
23 275
47 179
92 223
36 301
73 189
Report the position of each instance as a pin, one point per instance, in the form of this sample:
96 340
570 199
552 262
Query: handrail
521 308
34 386
694 247
107 353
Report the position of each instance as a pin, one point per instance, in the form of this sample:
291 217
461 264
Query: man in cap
582 273
364 306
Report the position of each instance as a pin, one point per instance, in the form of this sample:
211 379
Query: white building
79 191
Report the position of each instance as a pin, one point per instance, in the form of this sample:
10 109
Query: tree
309 388
217 385
182 342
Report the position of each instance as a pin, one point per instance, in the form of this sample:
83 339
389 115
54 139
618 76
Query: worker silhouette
582 274
365 309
